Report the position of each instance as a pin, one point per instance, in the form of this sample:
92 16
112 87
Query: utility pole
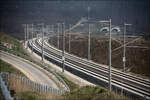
29 31
42 42
89 43
53 29
110 54
124 47
63 48
89 13
24 33
32 36
109 76
48 30
37 35
89 39
69 38
27 35
58 36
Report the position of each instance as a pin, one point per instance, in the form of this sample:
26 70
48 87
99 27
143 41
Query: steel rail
115 77
121 84
97 67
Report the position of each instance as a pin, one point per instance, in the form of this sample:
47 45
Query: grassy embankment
21 91
24 94
11 42
15 45
89 93
5 67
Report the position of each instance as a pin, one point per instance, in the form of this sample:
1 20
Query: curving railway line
125 83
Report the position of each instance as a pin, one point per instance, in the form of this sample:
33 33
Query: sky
16 12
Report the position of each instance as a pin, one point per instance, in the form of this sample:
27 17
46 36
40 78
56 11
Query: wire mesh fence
12 79
67 89
12 85
5 89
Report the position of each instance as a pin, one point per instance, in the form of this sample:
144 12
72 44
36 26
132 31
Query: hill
15 13
137 51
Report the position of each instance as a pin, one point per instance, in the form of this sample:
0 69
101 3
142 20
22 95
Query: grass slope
89 93
16 44
25 94
5 67
93 93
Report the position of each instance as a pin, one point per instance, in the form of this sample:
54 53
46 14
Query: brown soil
137 59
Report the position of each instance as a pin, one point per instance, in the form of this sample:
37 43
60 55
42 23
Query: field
137 51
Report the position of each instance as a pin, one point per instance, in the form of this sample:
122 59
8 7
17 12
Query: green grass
6 38
93 93
84 93
16 45
5 67
69 83
29 95
89 92
25 95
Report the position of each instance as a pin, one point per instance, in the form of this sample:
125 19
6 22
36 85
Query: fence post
32 60
46 88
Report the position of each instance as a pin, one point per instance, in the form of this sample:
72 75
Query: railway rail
125 83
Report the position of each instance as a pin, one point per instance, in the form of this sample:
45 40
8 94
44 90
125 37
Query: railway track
121 82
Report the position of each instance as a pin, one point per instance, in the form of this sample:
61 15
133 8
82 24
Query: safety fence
36 62
20 83
32 85
67 89
5 89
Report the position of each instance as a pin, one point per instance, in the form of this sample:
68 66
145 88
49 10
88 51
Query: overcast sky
136 12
